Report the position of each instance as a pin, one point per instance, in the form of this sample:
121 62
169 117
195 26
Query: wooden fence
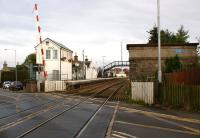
143 91
190 77
52 86
183 96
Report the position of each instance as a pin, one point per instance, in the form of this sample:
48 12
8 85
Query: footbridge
116 64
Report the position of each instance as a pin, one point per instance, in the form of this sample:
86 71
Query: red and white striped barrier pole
40 38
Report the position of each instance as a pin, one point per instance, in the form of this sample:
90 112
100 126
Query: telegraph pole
159 43
103 66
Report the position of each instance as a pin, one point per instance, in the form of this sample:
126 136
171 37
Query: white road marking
125 134
118 136
109 131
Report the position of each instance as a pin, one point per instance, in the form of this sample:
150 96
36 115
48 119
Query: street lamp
15 63
159 49
103 65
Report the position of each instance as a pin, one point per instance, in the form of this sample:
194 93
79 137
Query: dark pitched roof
58 44
155 45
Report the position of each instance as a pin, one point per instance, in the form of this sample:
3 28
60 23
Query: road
54 115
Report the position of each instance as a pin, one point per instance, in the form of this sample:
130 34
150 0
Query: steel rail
40 105
83 128
65 110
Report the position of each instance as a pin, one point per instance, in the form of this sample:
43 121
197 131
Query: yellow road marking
8 96
17 106
156 127
176 124
37 96
190 120
6 101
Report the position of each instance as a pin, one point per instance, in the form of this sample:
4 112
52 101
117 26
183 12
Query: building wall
166 51
66 73
55 64
91 73
144 60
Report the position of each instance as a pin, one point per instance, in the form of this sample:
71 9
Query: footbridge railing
116 64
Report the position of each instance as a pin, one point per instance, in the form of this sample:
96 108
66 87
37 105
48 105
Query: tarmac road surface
53 115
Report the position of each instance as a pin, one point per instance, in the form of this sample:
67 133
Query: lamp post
159 43
121 56
15 63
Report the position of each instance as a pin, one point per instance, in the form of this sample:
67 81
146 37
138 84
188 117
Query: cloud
98 26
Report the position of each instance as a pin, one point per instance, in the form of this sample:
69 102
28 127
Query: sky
97 26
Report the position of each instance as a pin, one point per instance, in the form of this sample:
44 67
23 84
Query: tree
181 36
30 59
172 64
153 35
198 47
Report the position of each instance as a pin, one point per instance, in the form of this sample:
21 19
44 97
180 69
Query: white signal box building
58 59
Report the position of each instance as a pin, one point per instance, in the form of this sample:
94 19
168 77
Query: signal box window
55 54
48 54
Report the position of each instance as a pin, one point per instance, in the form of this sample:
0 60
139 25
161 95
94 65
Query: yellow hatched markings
37 96
17 106
28 117
190 120
156 127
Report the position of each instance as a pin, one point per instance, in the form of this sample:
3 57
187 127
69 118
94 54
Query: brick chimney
75 58
86 59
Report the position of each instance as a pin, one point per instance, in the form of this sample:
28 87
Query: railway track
122 95
88 87
61 97
86 124
98 90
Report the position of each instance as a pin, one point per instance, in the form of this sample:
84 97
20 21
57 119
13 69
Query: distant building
143 58
83 70
6 68
118 72
58 59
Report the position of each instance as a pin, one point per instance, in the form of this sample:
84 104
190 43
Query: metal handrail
116 64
